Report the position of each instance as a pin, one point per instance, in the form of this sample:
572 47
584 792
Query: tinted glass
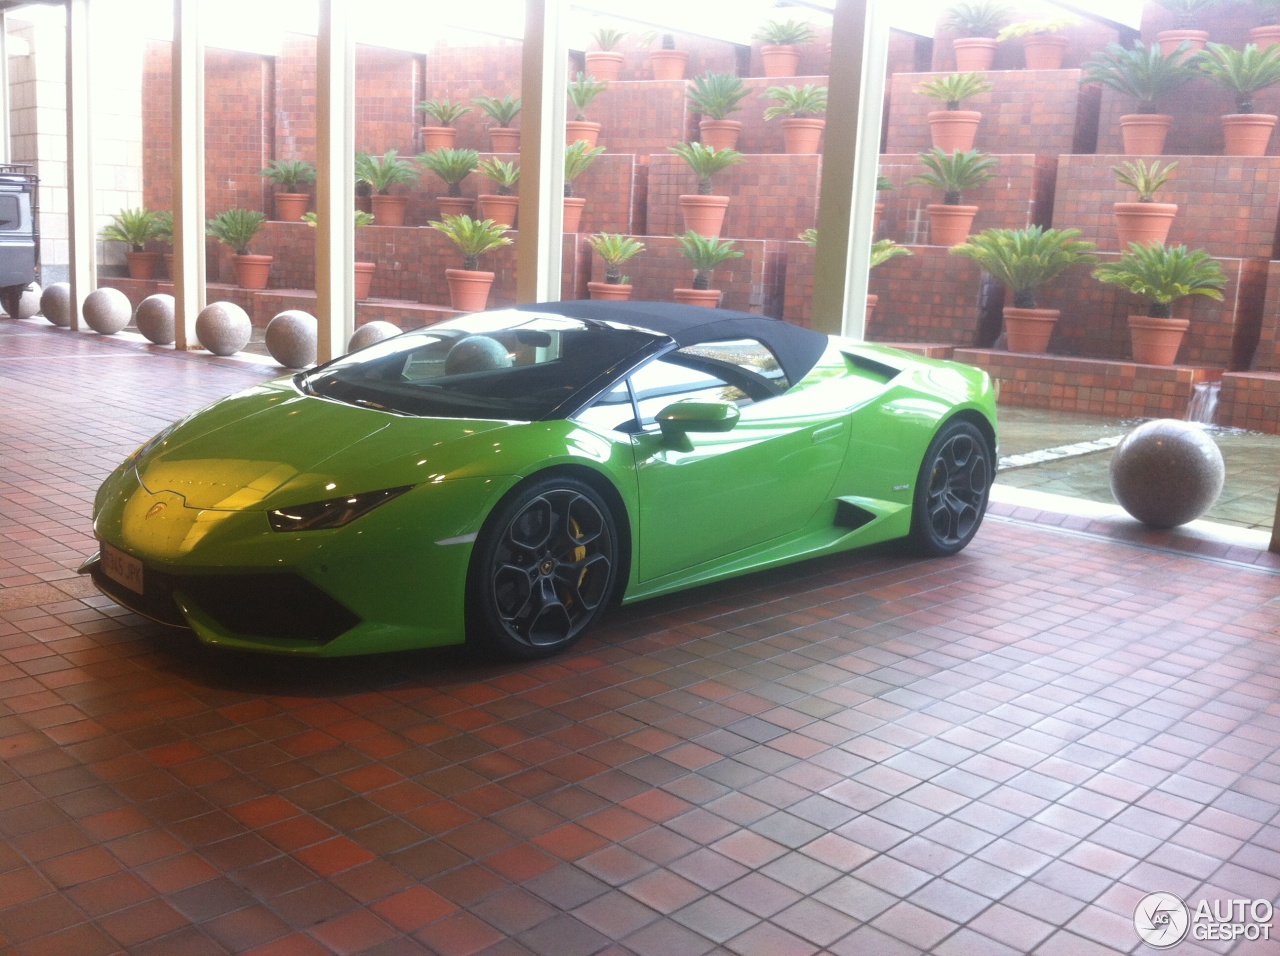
10 213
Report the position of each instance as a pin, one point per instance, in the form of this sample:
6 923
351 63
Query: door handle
825 432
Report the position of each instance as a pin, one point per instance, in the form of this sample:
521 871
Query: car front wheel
543 569
951 490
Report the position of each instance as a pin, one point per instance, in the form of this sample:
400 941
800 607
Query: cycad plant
1142 72
1240 72
504 175
704 254
607 38
1028 28
501 111
1188 13
955 172
615 249
134 227
473 237
236 228
955 88
784 33
716 95
290 173
362 218
578 157
706 161
1143 179
1023 260
444 111
451 165
882 250
1164 274
977 18
582 90
380 173
796 102
164 227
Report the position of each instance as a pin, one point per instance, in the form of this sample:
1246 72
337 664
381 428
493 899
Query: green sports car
505 476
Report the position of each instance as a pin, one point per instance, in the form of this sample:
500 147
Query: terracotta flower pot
468 290
707 297
252 271
612 291
720 134
291 206
872 300
1156 341
499 208
1143 134
1170 40
142 265
1143 221
779 59
1247 134
455 205
669 64
504 139
1265 36
1029 330
949 225
802 134
879 214
1044 51
584 130
604 64
364 279
704 214
974 54
954 129
388 210
168 263
573 213
438 137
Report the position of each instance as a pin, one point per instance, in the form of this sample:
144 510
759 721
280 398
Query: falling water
1204 402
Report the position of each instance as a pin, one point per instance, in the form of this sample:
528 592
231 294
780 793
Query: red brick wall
641 118
1266 357
1250 400
1196 110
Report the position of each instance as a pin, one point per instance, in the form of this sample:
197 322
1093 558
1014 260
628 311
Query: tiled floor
996 753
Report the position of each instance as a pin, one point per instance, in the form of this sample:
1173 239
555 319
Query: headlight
322 515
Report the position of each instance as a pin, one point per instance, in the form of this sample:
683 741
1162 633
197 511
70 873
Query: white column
84 271
850 157
187 172
540 250
335 180
6 143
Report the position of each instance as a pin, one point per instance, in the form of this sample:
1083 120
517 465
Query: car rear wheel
951 490
543 569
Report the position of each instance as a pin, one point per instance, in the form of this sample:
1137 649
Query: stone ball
372 332
107 310
476 353
155 318
29 303
55 303
1167 472
223 328
291 338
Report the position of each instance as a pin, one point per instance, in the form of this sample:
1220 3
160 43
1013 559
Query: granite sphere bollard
291 338
107 310
55 303
155 317
29 302
372 332
1167 472
223 328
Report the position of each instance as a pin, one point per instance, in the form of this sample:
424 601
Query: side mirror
680 418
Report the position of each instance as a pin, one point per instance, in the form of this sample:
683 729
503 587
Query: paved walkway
997 753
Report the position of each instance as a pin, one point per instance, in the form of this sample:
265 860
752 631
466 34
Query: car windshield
508 365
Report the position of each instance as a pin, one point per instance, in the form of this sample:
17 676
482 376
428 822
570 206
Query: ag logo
1161 920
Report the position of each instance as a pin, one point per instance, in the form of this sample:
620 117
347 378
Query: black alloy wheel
951 490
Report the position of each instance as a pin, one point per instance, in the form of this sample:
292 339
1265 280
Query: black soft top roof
798 349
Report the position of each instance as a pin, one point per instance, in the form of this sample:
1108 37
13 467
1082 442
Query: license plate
122 568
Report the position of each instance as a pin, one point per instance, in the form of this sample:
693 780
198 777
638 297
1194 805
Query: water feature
1204 402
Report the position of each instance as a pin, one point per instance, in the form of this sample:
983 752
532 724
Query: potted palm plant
290 175
1043 43
780 53
380 173
1186 28
1162 275
800 109
977 22
469 286
1266 33
605 63
453 166
668 62
1145 220
1243 73
715 96
502 137
445 112
1147 75
952 128
704 254
1023 260
363 270
502 206
164 233
236 228
578 157
703 212
953 173
582 90
614 250
135 228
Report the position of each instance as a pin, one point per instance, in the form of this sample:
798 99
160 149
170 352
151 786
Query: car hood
271 445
